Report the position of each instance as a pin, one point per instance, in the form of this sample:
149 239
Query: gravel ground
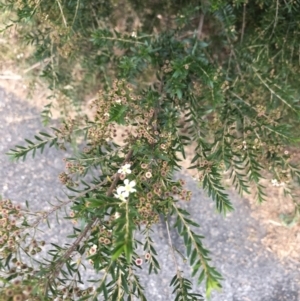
251 272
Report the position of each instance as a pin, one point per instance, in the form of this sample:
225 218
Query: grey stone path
251 273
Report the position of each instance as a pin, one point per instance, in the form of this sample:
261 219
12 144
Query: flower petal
120 189
132 183
125 194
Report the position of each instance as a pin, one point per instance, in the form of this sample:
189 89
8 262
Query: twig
62 13
200 26
123 40
235 56
76 243
77 6
276 17
271 90
178 272
45 61
71 249
97 20
244 22
52 68
172 248
203 261
103 279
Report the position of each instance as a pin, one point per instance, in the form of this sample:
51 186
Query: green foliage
171 75
197 254
182 288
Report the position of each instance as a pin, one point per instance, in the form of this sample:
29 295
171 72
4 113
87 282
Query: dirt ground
280 239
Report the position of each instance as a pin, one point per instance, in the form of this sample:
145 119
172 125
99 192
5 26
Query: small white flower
117 215
121 194
128 188
93 250
125 169
106 114
148 174
139 261
274 182
118 100
76 261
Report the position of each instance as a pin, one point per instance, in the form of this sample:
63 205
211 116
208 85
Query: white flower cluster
275 183
124 191
19 56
